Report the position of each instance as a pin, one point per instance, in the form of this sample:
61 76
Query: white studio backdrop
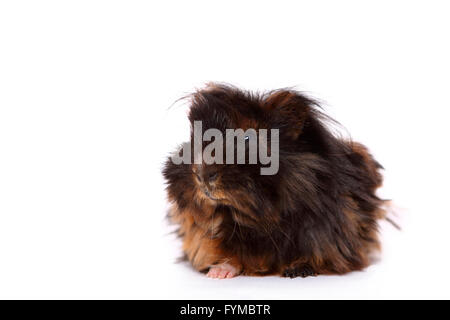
87 118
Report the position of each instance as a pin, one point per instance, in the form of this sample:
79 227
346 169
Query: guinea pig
318 214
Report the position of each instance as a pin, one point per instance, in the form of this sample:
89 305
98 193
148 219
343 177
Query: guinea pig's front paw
222 271
303 270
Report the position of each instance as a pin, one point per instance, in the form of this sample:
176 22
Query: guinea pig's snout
206 176
209 177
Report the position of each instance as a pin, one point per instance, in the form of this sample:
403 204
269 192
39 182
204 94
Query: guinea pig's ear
287 111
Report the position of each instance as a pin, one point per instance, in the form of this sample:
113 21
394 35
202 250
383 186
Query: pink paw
222 271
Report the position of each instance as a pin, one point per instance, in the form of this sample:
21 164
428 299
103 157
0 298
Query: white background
86 89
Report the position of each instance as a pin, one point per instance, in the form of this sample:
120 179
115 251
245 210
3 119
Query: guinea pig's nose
209 176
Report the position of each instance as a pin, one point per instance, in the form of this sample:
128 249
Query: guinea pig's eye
246 138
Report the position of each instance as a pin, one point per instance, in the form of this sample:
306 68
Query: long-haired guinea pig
318 214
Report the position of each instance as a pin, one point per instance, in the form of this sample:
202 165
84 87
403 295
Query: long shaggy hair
318 215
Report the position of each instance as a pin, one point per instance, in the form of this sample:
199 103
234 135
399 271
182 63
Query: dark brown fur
317 215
